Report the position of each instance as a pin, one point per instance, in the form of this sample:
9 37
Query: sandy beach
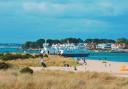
113 68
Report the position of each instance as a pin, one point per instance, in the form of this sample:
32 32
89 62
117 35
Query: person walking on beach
84 60
42 58
75 66
85 63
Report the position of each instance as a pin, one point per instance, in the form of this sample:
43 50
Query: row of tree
39 43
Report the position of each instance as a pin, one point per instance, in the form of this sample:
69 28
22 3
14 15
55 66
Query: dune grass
44 79
35 62
12 79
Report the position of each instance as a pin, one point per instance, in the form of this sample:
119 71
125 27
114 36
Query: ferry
68 50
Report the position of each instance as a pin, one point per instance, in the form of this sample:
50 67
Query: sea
118 57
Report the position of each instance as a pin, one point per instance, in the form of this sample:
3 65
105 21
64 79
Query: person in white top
42 52
42 58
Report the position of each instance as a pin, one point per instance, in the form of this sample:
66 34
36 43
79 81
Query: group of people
45 54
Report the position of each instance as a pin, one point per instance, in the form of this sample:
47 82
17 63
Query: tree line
39 43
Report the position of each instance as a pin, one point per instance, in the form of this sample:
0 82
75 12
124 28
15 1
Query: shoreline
110 67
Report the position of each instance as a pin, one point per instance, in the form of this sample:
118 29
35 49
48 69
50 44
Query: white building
104 46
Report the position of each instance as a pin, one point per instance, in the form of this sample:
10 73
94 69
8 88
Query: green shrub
1 55
43 64
27 56
26 70
4 65
45 55
10 56
38 55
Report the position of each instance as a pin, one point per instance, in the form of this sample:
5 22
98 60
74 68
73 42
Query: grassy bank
44 79
12 79
34 62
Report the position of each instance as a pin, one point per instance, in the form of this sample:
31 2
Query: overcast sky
22 20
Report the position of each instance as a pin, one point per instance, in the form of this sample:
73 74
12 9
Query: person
60 52
42 59
84 60
75 68
42 52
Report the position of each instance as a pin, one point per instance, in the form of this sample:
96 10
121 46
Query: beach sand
113 68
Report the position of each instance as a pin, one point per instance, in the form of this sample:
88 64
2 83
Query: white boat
67 50
70 50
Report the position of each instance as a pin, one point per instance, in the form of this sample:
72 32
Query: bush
26 70
45 55
4 65
10 56
1 55
38 55
26 56
41 55
43 64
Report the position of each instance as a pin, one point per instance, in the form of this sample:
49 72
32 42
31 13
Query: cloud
98 12
81 9
67 8
44 7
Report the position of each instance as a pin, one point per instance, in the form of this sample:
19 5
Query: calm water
16 50
121 57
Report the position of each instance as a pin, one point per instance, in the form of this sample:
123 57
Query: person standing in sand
84 60
75 66
42 58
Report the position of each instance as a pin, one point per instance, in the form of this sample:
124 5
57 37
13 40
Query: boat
70 50
66 50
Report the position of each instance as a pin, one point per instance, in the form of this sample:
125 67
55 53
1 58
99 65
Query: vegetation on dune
60 61
35 61
11 56
26 70
4 65
15 56
60 80
25 78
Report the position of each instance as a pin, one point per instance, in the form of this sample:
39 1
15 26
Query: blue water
16 50
120 57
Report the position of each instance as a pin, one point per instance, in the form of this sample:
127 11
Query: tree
72 40
27 45
122 40
99 41
40 43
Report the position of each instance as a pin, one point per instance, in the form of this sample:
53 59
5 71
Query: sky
23 20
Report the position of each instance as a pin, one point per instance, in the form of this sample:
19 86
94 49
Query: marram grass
50 61
12 79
